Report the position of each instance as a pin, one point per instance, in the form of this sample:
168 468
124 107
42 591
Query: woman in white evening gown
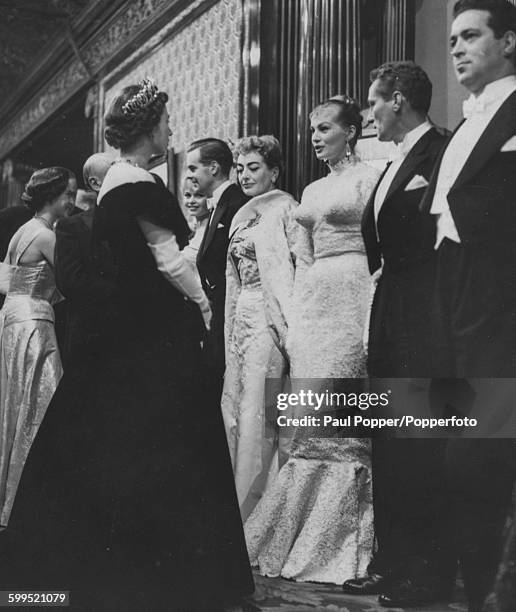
260 280
315 522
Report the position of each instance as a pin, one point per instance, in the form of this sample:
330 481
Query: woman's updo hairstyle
267 146
134 113
46 185
348 114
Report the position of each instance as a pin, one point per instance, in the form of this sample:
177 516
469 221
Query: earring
348 150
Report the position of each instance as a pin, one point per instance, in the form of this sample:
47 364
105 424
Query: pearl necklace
126 160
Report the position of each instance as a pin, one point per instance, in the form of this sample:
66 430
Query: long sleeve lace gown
315 522
29 359
127 498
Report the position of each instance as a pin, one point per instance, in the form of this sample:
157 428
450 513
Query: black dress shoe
407 593
372 584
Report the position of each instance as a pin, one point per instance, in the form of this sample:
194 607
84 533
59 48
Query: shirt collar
409 140
217 193
492 94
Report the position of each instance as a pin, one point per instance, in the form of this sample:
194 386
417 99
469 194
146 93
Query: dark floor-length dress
127 498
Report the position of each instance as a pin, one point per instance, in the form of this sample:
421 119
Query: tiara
147 93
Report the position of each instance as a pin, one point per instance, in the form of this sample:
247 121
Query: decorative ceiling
26 27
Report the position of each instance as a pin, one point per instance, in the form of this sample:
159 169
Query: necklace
126 160
340 164
45 222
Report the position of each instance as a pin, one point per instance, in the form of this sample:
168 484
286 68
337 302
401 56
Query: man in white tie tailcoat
472 197
412 565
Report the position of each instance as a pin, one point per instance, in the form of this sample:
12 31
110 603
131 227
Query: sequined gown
316 522
260 279
29 360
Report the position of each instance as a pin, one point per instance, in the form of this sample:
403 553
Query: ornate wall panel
199 68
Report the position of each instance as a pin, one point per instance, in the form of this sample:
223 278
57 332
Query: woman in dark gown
127 499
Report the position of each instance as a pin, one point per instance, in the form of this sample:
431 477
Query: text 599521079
34 598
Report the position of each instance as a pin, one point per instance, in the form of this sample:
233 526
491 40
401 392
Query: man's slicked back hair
409 79
502 14
213 149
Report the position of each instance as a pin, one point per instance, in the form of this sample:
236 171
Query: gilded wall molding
122 34
59 89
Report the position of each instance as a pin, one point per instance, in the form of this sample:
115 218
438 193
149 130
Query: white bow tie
473 105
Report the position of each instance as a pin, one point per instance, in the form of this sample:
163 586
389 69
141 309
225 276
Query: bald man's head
95 170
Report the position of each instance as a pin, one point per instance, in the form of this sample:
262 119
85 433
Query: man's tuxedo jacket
211 263
483 198
404 239
85 275
212 255
480 272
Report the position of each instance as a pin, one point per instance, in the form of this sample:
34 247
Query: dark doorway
66 139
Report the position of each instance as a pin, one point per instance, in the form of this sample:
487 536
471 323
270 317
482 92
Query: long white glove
176 269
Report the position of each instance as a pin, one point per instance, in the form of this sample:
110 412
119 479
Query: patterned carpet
278 595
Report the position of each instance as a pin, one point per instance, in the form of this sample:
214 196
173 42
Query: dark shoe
372 584
406 593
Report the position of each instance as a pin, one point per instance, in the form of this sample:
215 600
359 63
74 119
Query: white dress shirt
402 150
478 112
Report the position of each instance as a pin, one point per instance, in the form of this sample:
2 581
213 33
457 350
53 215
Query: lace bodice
331 211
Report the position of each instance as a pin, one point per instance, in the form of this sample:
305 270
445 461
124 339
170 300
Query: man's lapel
200 253
214 221
501 127
428 198
407 169
369 228
368 222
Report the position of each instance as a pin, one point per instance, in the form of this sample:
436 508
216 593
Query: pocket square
510 145
417 182
220 225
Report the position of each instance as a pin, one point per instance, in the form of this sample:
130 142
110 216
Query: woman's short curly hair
125 129
267 146
46 185
348 114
